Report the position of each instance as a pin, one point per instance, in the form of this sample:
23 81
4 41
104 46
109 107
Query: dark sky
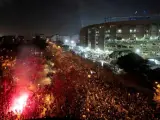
64 16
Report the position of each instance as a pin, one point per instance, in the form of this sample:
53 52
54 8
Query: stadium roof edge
131 22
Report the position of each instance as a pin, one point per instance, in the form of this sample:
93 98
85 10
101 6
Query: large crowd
75 90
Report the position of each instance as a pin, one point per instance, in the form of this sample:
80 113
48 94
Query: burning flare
19 104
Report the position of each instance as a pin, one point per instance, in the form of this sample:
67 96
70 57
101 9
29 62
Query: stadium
140 34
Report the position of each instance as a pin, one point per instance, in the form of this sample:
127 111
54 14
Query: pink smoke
24 74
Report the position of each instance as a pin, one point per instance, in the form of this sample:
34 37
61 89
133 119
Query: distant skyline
64 17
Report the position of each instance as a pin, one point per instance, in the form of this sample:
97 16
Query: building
42 36
20 39
39 36
9 39
141 34
55 37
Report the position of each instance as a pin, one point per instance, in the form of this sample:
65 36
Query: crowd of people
100 99
75 90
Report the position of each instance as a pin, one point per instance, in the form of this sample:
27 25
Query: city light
102 63
47 40
86 56
119 31
89 76
66 40
87 49
155 61
98 50
72 42
137 51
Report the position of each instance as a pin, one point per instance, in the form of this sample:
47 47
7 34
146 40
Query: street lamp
102 63
137 51
72 42
86 56
66 40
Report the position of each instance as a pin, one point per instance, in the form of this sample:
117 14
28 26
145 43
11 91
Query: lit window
134 30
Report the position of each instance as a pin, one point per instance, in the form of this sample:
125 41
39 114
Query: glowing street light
86 56
47 40
99 51
89 76
87 49
72 42
102 63
137 51
119 31
66 40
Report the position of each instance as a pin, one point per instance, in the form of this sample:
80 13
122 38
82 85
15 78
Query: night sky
64 17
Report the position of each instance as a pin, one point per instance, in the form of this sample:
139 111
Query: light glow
66 41
137 51
119 31
72 42
102 63
19 104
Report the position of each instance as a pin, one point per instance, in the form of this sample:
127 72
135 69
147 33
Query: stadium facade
140 33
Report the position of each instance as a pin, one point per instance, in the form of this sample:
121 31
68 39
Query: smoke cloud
26 67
